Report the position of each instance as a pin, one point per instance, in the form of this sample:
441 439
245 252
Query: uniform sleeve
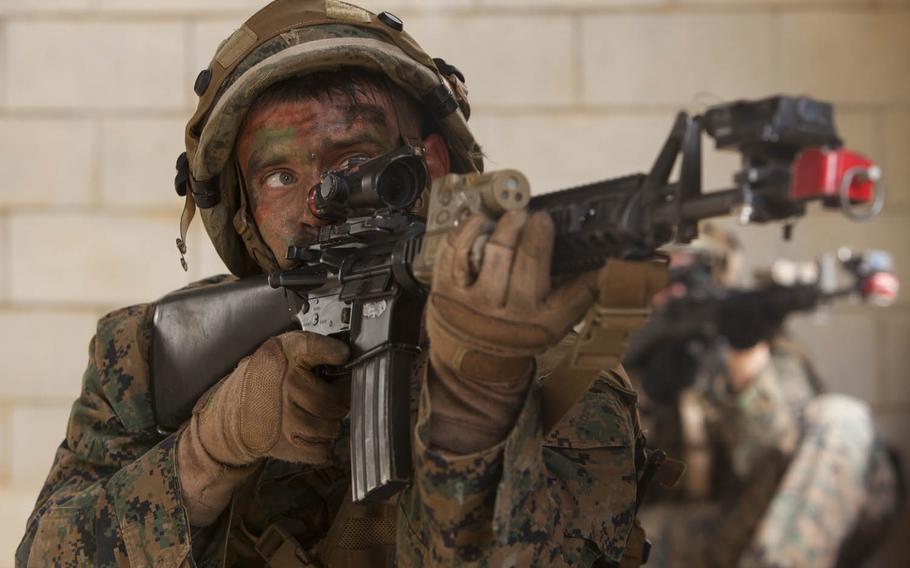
112 497
567 499
757 423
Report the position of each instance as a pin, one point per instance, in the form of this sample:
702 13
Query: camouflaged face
317 43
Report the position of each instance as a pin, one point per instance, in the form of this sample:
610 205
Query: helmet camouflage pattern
290 38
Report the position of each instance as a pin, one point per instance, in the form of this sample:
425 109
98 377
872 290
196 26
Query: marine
781 472
259 475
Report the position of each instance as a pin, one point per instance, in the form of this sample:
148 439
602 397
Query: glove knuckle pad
260 398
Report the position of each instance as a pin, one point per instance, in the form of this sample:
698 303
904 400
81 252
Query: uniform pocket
590 461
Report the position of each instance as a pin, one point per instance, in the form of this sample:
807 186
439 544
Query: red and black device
790 153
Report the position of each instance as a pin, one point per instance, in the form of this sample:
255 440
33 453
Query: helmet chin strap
409 133
189 211
245 225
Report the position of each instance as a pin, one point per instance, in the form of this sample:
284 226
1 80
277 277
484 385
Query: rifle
665 354
366 278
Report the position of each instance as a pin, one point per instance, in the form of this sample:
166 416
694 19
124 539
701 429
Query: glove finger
566 305
499 252
298 450
453 261
530 280
323 399
298 424
306 349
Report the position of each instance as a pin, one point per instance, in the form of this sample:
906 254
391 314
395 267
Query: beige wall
93 95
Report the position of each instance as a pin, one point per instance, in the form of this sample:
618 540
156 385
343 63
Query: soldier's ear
437 156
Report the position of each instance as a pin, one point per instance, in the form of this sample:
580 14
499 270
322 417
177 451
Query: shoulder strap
626 289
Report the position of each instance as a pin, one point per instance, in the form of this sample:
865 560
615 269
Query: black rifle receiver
366 278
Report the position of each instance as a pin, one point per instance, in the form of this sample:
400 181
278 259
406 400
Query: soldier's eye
280 180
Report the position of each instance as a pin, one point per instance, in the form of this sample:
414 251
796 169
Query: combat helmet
289 38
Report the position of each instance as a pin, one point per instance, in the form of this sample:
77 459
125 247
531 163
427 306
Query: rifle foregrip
380 424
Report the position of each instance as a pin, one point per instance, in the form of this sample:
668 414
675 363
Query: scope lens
329 189
399 185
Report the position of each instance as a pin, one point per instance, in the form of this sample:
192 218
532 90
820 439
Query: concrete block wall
94 94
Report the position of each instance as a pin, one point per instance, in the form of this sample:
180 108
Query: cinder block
377 6
137 162
558 150
776 3
842 346
242 9
46 162
896 163
37 431
528 66
13 7
678 58
820 55
572 4
44 353
207 35
95 65
895 357
86 260
17 506
177 6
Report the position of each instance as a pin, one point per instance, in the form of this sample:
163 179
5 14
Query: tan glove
485 332
271 405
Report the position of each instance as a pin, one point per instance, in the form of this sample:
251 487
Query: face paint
286 146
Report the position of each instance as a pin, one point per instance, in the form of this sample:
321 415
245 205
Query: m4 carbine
366 278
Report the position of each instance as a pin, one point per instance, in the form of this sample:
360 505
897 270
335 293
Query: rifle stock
199 335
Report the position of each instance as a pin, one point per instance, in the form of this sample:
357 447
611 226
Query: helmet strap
189 211
408 129
247 229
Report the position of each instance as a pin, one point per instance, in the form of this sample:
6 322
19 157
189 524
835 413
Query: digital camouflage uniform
798 478
113 498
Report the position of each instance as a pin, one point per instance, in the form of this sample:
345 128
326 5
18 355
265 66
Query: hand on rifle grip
274 405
